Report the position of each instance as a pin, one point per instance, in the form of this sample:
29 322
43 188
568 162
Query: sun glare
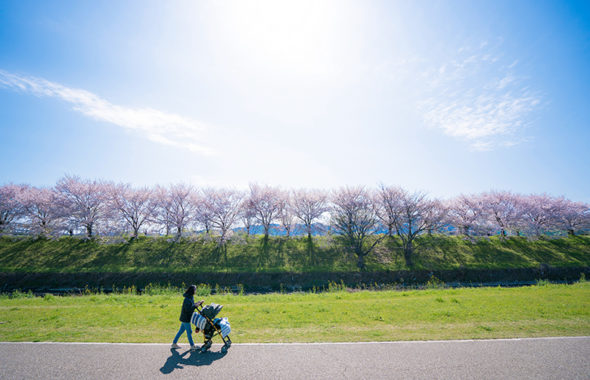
302 36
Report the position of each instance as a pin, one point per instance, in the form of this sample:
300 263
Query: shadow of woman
195 358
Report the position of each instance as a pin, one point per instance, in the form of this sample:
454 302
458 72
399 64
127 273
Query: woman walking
188 307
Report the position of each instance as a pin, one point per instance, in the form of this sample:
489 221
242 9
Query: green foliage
434 283
48 297
334 287
279 254
156 289
342 315
17 294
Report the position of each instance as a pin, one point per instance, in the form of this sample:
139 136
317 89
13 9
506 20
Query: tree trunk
408 250
310 249
89 230
361 260
466 230
571 232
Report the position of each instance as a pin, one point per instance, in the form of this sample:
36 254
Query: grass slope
200 254
546 310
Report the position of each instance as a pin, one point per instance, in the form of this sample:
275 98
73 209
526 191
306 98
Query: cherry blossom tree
415 215
354 217
135 206
266 202
181 208
163 209
308 206
247 215
77 204
174 207
286 213
10 208
501 208
435 216
573 215
223 206
387 201
86 200
41 209
203 210
538 212
465 213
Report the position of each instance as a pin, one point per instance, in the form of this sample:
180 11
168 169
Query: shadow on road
178 361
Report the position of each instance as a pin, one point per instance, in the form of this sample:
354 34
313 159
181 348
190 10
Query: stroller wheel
228 342
224 350
205 347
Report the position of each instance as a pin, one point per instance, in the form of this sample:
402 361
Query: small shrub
203 290
542 283
582 277
157 289
48 297
434 283
334 287
129 290
18 294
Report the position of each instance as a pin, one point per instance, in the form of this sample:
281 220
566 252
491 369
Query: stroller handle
199 306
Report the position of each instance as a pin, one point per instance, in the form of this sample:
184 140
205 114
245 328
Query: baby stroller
204 319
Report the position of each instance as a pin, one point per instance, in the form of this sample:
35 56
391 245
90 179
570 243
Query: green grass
72 255
468 313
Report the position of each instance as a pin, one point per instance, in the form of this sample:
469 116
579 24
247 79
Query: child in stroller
204 319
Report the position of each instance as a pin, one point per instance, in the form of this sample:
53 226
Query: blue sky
447 97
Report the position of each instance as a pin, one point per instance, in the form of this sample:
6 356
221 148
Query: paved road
543 358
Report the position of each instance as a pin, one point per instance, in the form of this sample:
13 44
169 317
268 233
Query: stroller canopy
211 311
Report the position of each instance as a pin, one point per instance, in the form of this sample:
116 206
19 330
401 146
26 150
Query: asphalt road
542 358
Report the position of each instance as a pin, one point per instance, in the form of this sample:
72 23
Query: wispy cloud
478 98
160 127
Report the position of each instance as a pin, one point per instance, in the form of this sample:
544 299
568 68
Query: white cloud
160 127
477 98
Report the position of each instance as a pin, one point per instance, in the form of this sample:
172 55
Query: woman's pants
185 326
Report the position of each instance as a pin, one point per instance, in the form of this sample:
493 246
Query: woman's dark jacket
188 307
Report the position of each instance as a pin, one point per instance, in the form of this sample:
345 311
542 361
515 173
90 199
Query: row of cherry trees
362 216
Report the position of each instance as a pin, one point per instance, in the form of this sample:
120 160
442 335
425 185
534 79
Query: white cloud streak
157 126
478 99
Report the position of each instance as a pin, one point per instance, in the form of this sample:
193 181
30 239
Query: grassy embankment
544 310
71 255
